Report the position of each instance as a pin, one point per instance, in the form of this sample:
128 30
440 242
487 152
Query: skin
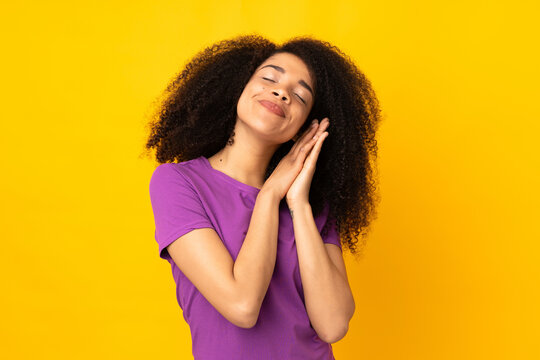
259 132
237 288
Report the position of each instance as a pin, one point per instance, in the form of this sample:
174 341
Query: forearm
255 262
328 297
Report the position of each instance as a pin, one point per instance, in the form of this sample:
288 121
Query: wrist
298 204
269 193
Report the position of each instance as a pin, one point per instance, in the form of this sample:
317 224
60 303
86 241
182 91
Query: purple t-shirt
191 195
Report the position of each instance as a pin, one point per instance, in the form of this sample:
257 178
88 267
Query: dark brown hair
191 121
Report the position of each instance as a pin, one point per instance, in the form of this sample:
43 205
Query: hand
292 164
299 190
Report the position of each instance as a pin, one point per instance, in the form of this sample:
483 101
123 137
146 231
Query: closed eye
294 94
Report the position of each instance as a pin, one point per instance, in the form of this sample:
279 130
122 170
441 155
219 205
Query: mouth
272 107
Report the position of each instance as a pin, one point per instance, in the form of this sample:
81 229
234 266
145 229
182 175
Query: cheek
247 98
245 104
302 115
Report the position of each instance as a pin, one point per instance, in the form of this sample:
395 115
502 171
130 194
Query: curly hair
191 121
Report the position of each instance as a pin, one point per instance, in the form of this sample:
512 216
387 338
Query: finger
314 153
309 130
313 147
313 137
322 127
309 133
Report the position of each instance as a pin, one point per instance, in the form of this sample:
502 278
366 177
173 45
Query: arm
329 300
235 289
256 260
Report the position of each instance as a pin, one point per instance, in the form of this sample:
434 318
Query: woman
252 199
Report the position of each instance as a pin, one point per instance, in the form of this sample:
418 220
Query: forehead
291 63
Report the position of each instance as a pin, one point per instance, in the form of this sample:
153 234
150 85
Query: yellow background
451 270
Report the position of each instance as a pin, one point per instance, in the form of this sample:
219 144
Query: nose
281 94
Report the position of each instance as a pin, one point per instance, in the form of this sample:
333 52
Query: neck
244 161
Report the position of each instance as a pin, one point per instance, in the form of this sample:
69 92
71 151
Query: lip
273 107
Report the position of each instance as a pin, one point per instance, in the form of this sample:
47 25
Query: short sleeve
332 234
176 205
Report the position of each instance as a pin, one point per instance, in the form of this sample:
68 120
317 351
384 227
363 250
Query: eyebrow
282 70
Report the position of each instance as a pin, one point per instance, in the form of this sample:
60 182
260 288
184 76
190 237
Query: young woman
265 170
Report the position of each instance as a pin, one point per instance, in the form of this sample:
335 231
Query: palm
299 189
302 183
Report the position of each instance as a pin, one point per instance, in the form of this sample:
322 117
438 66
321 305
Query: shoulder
168 175
165 172
183 169
181 174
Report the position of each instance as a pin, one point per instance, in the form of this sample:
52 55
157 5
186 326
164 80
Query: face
281 82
